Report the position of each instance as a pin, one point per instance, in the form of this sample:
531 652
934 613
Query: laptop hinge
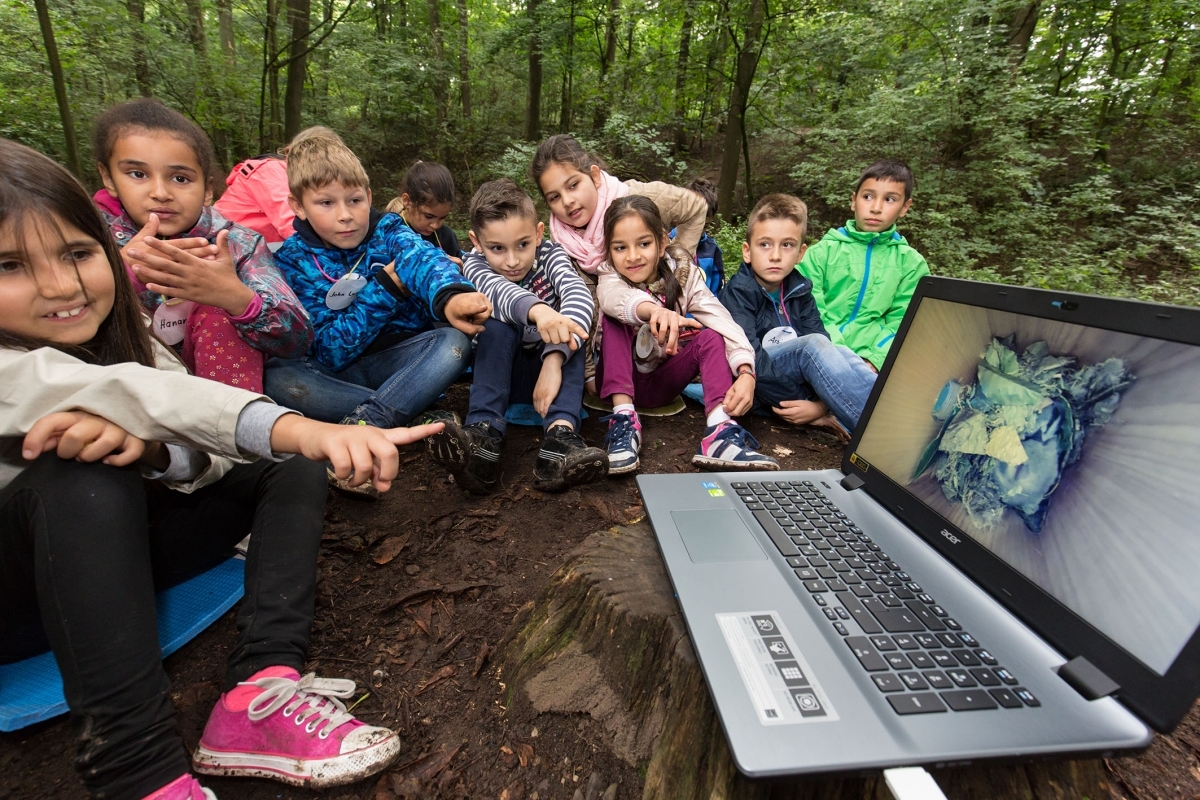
852 482
1084 677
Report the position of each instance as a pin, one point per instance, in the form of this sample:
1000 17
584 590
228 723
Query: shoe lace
316 698
620 430
736 434
565 434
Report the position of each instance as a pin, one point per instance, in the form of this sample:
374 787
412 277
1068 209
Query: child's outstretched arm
359 453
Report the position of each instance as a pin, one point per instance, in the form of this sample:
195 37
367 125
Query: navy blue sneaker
623 442
728 445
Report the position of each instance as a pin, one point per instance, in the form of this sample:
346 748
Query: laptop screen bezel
1160 700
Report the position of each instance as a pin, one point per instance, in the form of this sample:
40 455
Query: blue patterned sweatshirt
382 311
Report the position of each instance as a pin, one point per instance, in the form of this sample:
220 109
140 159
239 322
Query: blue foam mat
694 391
31 690
526 414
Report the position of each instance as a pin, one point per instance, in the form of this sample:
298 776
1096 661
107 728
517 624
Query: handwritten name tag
170 320
344 291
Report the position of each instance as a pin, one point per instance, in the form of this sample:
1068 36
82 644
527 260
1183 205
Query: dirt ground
416 590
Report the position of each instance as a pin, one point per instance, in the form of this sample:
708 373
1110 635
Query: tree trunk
382 18
299 12
533 100
60 89
1020 32
606 60
568 76
747 64
270 133
440 90
685 43
225 27
195 28
141 68
606 639
464 65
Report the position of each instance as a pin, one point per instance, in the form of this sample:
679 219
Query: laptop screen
1070 452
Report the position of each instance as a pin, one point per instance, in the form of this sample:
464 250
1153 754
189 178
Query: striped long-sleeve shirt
552 281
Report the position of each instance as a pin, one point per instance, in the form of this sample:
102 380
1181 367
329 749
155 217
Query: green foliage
1068 157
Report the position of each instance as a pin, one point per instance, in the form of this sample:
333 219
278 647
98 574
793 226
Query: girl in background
256 191
118 478
579 191
426 199
661 326
212 286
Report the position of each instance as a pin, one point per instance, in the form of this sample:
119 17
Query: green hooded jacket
862 283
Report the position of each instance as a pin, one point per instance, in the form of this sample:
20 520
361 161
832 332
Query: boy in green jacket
865 273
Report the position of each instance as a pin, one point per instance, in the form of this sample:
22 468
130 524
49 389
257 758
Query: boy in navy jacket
803 375
375 292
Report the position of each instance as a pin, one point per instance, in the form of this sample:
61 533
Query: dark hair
889 170
643 207
498 200
706 189
561 148
149 114
33 186
428 183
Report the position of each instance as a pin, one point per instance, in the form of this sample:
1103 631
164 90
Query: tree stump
606 638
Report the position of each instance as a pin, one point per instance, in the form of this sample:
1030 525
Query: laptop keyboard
916 653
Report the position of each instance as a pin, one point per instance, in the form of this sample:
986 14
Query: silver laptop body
1003 568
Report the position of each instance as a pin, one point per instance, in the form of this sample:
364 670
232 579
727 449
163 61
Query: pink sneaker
279 725
185 787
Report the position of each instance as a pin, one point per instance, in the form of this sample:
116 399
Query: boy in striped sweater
530 350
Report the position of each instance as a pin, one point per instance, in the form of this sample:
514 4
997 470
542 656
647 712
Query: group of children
122 474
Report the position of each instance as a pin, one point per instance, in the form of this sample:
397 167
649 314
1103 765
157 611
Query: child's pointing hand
467 311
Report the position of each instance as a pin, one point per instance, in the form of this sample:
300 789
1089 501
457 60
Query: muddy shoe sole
451 449
723 465
585 466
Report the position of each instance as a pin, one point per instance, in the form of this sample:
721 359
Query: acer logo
950 537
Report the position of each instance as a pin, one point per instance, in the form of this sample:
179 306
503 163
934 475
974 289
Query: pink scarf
586 246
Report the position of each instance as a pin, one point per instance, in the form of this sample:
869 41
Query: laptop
1005 566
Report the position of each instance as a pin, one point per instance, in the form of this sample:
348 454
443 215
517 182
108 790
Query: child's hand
801 412
85 437
549 382
457 261
467 311
556 328
665 325
197 245
174 272
359 453
740 397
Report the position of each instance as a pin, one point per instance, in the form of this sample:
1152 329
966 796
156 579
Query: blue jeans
386 389
811 365
506 372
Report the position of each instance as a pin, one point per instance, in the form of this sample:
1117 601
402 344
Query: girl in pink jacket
660 327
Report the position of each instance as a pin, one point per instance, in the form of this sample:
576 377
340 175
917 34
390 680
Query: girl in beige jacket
661 326
121 474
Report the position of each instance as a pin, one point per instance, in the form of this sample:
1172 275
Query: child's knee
454 342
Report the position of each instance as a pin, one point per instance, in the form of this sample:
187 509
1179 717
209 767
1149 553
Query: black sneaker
566 460
437 415
470 452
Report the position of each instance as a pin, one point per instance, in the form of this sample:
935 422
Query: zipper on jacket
862 290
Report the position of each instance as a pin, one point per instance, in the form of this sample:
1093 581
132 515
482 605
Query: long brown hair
33 186
643 207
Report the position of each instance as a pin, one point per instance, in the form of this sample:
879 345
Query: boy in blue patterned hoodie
375 292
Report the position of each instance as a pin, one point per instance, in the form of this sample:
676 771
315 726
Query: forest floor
416 590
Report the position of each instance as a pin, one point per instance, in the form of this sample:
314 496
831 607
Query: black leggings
83 547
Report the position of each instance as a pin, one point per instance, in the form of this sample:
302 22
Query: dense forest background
1055 144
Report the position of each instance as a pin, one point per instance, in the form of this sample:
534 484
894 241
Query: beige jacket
619 300
681 209
163 405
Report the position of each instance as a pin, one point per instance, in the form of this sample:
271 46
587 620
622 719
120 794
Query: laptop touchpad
716 535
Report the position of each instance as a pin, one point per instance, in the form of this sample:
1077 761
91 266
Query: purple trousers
702 354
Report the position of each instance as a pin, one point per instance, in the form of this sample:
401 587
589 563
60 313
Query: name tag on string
344 291
170 320
777 336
